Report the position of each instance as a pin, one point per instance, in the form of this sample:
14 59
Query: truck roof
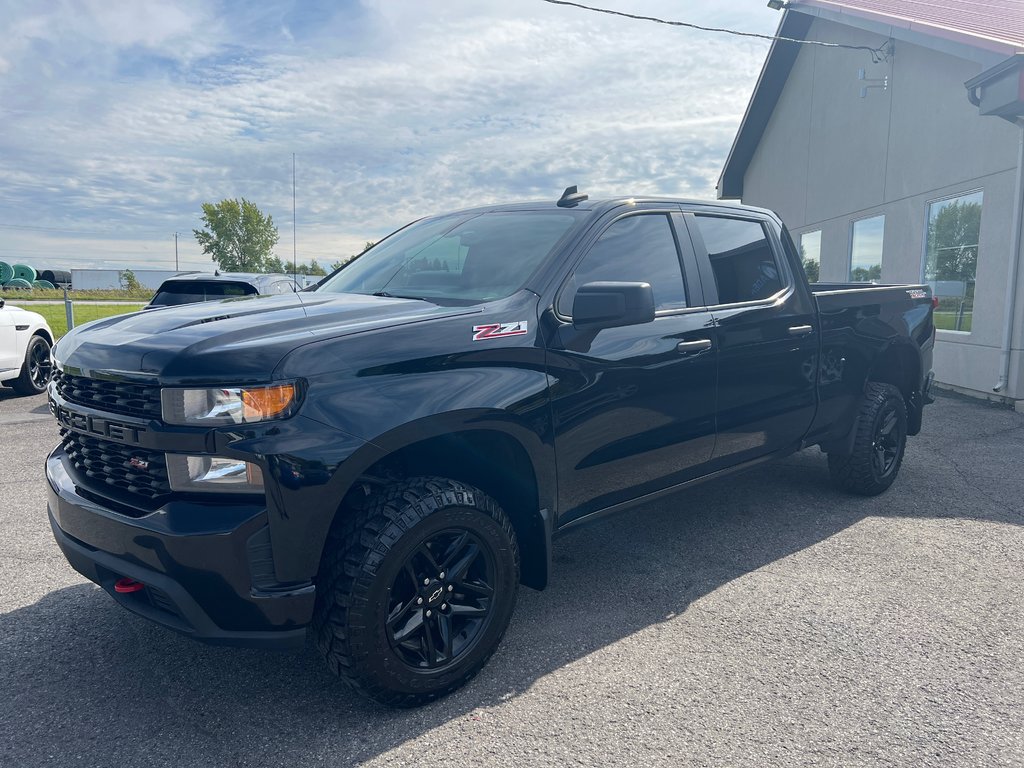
604 204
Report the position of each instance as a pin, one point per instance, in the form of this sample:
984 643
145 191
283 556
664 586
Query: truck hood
237 340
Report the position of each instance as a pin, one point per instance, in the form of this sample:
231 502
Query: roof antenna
571 197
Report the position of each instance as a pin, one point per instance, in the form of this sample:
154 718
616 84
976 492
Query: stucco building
898 158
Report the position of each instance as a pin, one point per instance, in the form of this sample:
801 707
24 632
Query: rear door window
193 291
742 258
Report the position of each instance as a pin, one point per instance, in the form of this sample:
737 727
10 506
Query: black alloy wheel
37 368
879 442
888 443
441 599
416 588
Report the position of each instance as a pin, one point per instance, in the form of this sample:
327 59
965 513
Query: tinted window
741 258
466 258
192 291
634 249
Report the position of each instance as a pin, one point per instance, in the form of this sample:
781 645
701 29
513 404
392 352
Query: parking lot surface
764 619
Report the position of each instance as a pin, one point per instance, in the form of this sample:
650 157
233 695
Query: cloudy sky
118 119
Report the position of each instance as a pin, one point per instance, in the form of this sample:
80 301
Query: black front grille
128 398
102 464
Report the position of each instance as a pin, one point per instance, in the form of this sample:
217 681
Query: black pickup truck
382 461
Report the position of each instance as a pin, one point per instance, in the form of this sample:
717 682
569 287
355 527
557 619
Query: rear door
765 332
633 407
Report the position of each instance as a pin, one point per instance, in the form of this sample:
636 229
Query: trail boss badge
498 330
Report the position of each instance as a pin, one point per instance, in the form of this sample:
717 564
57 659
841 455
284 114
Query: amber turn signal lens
266 402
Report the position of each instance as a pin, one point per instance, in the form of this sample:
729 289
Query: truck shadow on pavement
85 682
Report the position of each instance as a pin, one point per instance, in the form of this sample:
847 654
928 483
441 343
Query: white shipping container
104 279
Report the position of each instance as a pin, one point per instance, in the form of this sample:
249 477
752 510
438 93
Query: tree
237 236
866 274
953 242
342 262
129 281
811 266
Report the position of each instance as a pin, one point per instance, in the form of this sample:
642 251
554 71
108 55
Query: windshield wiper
386 295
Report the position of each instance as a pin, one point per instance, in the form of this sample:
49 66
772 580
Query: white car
25 341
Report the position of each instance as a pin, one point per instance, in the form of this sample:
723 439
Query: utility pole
175 251
294 266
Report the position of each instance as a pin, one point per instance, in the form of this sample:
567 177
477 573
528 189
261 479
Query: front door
633 407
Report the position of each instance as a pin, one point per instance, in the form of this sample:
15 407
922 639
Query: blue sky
120 119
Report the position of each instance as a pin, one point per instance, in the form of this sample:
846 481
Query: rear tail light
935 302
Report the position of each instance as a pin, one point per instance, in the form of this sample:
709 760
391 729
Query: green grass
946 321
14 296
54 313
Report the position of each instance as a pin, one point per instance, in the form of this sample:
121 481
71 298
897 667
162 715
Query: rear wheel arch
900 365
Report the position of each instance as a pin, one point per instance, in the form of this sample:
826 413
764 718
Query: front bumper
197 560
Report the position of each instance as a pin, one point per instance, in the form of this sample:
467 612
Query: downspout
1013 268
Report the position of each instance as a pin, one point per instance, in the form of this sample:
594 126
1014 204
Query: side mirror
611 305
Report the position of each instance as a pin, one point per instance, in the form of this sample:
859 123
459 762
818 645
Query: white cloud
121 121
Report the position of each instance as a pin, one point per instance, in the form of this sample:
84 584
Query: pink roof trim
996 25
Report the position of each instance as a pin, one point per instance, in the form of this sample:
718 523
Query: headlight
213 474
231 405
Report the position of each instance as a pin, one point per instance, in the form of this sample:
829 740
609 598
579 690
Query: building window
810 254
866 249
951 258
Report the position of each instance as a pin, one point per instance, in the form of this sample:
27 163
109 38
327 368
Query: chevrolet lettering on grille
91 425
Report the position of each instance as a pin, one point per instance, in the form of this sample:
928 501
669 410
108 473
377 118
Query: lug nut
419 601
428 614
444 606
451 588
441 576
426 582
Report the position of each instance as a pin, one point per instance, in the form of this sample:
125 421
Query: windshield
192 291
462 258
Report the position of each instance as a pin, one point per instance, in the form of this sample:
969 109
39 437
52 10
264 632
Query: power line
94 232
877 54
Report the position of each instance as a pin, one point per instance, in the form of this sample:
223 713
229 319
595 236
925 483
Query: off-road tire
28 383
862 472
368 549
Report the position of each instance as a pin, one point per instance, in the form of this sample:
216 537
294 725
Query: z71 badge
498 330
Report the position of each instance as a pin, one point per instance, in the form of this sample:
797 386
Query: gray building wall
828 157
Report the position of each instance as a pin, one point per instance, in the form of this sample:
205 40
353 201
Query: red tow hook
126 585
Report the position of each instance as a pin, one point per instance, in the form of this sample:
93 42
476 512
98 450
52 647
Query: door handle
800 330
694 346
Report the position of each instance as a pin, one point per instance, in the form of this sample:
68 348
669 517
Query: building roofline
964 39
795 23
774 73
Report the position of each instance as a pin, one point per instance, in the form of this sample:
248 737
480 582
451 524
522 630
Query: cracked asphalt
765 619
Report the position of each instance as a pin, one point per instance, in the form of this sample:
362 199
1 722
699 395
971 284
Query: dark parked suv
382 461
200 286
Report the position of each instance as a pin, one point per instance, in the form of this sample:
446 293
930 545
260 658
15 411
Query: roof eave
770 82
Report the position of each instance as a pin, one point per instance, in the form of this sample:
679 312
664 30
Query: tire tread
354 552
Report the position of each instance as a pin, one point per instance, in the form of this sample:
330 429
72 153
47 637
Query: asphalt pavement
763 620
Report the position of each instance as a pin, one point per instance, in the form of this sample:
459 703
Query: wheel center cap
434 593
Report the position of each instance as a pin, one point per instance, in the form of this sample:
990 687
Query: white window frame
924 247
